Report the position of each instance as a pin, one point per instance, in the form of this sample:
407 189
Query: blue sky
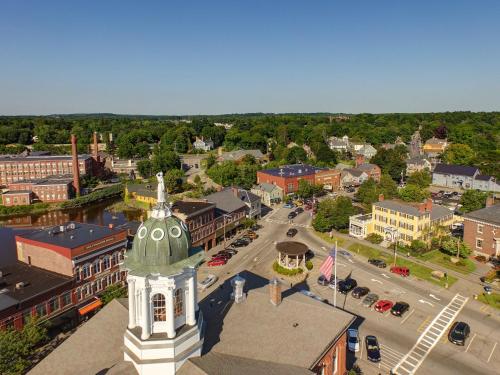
208 57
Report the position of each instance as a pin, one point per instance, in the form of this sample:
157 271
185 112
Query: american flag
327 266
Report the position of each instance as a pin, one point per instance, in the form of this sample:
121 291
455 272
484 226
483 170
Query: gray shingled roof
238 154
439 212
399 206
459 170
267 187
225 201
488 214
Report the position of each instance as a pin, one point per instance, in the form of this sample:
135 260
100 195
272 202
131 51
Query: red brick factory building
287 177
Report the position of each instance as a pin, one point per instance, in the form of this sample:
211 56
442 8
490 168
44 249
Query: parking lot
396 335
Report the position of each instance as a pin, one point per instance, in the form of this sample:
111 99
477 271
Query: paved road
397 336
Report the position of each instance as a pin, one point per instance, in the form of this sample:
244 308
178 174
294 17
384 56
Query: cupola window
159 309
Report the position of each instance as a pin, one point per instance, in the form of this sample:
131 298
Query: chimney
110 225
490 201
381 197
275 291
76 168
428 206
235 191
95 153
238 294
360 159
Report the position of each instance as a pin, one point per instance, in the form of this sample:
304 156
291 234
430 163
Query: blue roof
293 170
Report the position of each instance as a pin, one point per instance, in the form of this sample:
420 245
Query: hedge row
95 196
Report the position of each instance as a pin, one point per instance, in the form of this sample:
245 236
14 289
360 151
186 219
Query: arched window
159 309
178 303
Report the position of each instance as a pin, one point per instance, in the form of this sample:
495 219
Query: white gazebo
291 254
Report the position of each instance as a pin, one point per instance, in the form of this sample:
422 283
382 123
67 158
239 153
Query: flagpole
335 276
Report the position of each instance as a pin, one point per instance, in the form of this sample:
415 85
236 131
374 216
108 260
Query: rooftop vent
71 237
61 228
71 226
20 285
238 283
91 230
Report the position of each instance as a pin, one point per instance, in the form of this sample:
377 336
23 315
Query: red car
383 305
217 262
403 271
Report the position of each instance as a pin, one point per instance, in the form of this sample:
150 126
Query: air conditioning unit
20 285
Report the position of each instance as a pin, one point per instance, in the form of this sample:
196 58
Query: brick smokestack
76 169
275 291
490 201
95 154
381 197
360 159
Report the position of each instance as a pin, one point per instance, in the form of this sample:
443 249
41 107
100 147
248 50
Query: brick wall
328 360
55 261
481 240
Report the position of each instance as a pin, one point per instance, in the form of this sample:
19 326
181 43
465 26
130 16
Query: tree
391 161
418 247
145 168
198 183
458 153
163 160
374 238
421 179
224 174
473 200
455 247
173 180
441 132
333 213
369 191
295 155
413 193
16 346
210 161
112 292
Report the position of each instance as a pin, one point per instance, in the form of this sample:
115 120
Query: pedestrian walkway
389 357
430 337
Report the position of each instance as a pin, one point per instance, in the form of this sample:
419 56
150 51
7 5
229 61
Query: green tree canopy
473 200
333 213
413 193
457 153
421 179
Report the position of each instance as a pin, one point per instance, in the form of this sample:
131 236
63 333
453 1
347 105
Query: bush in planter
374 238
285 271
309 265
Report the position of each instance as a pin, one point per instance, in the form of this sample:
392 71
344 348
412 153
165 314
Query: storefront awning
96 303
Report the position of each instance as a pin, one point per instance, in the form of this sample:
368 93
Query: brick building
482 231
329 178
51 189
89 254
287 177
200 220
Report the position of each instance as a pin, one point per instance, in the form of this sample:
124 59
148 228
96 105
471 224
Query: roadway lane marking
470 343
433 296
376 281
492 350
350 260
407 316
424 324
426 302
362 346
387 277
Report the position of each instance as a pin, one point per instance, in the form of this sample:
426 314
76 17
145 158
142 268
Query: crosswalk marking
430 336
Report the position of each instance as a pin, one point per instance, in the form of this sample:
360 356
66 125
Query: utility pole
335 276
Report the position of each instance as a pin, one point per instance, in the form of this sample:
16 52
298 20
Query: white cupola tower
165 324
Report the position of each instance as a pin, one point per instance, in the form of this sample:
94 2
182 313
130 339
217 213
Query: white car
353 340
207 281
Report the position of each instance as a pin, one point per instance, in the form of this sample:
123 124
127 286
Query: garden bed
490 299
465 266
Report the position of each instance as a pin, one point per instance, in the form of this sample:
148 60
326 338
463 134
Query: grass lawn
417 270
493 299
326 237
437 257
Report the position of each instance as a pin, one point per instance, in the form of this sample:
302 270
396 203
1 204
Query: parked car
383 305
291 215
252 235
370 299
299 210
307 207
403 271
224 254
323 281
353 340
288 205
207 281
459 332
345 286
487 289
246 238
217 262
240 243
291 232
377 262
399 308
220 257
350 189
331 284
231 251
372 349
360 291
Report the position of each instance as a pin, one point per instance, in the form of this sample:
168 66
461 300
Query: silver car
370 299
207 281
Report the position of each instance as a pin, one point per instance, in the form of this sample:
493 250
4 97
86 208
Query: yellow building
144 193
402 221
435 146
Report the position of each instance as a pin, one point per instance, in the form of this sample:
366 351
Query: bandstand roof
291 248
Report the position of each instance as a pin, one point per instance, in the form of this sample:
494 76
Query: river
95 214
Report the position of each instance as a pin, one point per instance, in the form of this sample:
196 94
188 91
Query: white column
191 303
131 303
146 314
169 297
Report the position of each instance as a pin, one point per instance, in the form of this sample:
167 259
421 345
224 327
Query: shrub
285 271
374 238
95 196
418 247
481 258
309 265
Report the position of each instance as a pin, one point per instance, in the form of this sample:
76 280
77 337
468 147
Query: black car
299 210
224 253
240 243
377 262
345 286
360 291
399 308
372 349
231 251
291 232
291 215
459 332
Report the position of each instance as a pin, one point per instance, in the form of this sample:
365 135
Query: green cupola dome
162 244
